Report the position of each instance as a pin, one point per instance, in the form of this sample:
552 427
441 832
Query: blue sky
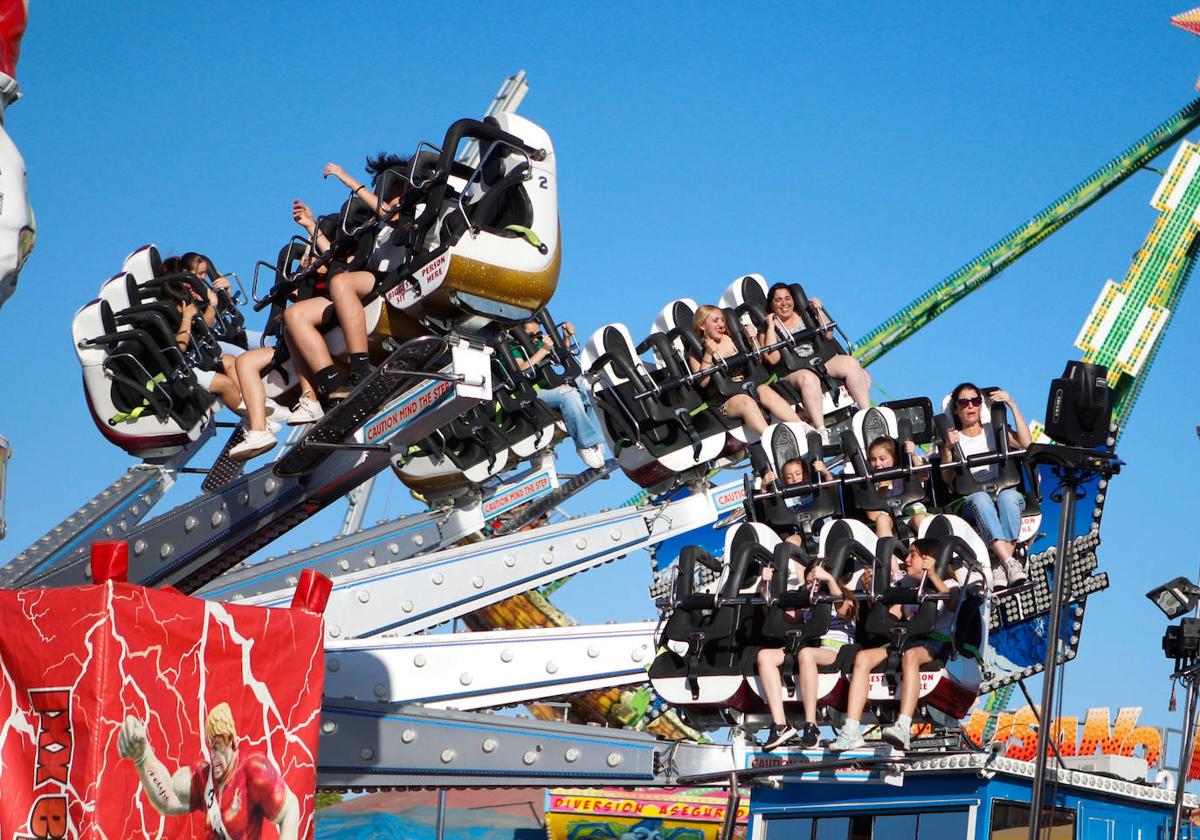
865 153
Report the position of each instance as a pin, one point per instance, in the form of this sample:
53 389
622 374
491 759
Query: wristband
356 189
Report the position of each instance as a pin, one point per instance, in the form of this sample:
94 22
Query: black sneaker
780 734
809 735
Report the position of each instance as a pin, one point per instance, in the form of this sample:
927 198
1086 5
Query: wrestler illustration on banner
17 227
236 790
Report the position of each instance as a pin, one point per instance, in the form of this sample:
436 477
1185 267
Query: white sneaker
307 410
273 425
824 435
847 740
593 456
1016 574
253 445
999 577
897 736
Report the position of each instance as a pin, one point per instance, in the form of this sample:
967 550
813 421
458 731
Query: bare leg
224 388
305 340
347 291
882 521
1003 549
769 661
858 381
910 687
250 366
811 395
229 364
860 682
742 407
810 658
777 405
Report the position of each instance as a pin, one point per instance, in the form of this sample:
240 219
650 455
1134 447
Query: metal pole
1069 482
1185 752
731 808
1037 716
440 828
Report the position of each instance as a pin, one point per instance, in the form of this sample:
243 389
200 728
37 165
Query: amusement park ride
442 410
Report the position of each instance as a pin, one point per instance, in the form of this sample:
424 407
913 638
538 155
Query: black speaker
1079 410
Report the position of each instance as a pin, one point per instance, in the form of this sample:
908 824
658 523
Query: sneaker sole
250 454
895 740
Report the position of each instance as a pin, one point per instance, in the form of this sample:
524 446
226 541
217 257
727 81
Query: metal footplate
430 589
225 469
489 669
197 541
362 407
545 504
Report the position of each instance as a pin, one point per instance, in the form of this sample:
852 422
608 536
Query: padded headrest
289 258
945 525
740 536
870 424
784 441
683 315
107 321
749 288
156 266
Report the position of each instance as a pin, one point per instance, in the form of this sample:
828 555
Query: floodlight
1079 409
1175 597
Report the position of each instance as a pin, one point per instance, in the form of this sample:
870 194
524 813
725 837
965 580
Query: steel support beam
431 589
489 669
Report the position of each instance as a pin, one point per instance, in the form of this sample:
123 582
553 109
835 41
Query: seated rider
263 415
919 562
347 288
713 333
222 382
793 472
840 632
567 399
881 455
783 316
998 520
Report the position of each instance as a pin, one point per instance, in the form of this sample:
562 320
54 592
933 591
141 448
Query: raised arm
303 216
354 186
170 795
1020 436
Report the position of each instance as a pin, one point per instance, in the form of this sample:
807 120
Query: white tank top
979 445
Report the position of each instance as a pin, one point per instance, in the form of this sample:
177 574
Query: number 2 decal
542 182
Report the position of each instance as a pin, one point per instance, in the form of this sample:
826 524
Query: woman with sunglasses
998 519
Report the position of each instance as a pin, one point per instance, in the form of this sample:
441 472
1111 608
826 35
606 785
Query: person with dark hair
569 401
998 520
919 565
223 383
783 315
199 265
770 660
348 288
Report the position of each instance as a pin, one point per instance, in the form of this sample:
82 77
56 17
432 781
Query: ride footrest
549 502
394 376
225 469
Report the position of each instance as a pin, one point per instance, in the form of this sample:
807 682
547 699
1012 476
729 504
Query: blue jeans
999 518
576 412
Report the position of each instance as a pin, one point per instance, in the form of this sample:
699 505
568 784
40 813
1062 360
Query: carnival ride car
396 709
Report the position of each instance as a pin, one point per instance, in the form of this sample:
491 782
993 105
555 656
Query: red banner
132 712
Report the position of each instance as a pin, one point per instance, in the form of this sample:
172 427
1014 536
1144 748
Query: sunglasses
963 402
